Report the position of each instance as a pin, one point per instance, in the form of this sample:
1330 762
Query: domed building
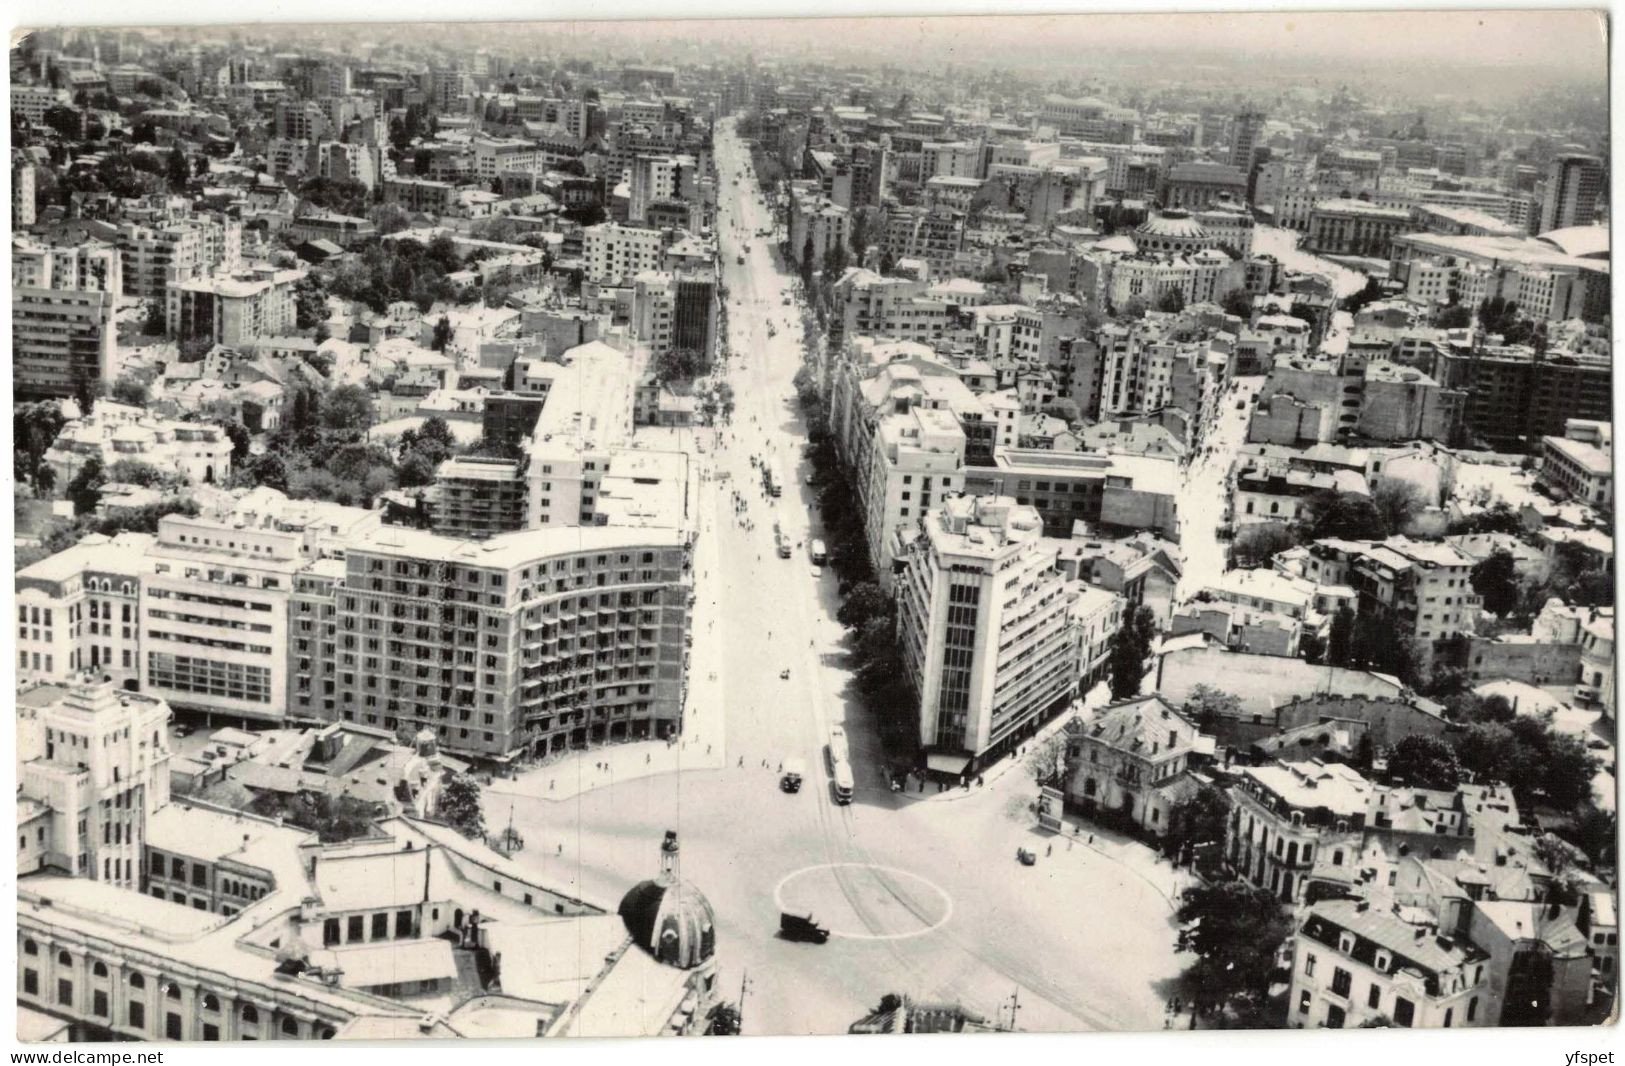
670 918
1174 232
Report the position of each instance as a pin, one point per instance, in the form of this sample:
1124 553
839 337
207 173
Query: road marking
947 900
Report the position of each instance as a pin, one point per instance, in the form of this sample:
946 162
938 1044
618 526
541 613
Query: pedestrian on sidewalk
741 762
561 849
1049 851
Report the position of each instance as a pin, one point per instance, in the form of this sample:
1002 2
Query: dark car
795 927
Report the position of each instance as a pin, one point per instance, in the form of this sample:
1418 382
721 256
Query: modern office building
1573 183
985 629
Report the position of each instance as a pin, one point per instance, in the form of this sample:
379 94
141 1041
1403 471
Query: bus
820 555
770 479
843 783
837 747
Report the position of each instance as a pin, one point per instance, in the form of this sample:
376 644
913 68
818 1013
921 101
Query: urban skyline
814 526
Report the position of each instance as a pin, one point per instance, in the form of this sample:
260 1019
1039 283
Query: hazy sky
1572 41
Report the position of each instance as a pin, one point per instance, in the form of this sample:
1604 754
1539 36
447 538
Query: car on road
1026 857
802 929
184 730
790 779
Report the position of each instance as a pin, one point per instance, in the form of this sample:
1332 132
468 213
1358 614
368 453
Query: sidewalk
701 742
1097 697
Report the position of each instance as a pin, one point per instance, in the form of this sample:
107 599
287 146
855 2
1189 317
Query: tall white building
985 628
214 616
97 760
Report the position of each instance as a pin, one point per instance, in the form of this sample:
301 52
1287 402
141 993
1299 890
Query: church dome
670 918
1173 232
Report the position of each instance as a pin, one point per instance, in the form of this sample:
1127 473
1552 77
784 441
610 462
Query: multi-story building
675 312
97 758
62 304
76 611
421 195
1288 817
1423 589
614 253
155 256
23 186
1353 963
1573 184
1131 758
1120 492
477 497
1580 463
985 627
1096 617
659 178
1354 227
1516 396
199 452
366 933
1197 186
214 616
527 642
234 310
1246 137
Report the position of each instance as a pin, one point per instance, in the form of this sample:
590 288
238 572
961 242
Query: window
1404 1011
251 1016
1342 981
1449 1016
99 970
30 948
1309 966
137 981
380 926
330 932
138 1015
98 1003
1472 1009
1373 998
290 1027
30 982
403 924
1334 1017
1303 1002
64 992
355 928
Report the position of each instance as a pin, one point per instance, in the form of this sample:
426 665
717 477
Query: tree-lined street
922 891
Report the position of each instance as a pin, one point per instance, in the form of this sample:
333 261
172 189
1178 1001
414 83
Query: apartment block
233 310
62 304
77 611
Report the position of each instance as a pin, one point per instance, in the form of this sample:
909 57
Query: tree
1207 706
177 171
864 601
1398 502
1065 409
1340 638
442 334
1238 302
34 427
1372 291
1258 543
1133 310
807 255
1046 760
1127 665
1201 819
310 302
1345 515
1172 301
347 411
1424 761
1235 931
132 391
135 472
269 470
85 487
1453 316
1499 518
459 805
678 364
240 439
86 390
1495 578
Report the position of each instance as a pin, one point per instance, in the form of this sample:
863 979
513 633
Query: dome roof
672 920
1178 225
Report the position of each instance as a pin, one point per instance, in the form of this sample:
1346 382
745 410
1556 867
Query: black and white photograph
812 526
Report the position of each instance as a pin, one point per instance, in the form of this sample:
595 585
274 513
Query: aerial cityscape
863 526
